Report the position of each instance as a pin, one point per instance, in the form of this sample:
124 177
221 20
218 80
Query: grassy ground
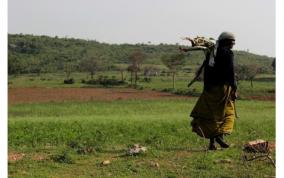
50 140
71 139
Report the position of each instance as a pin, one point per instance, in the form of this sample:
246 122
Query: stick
197 74
236 114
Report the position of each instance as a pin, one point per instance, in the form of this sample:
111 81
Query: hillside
33 54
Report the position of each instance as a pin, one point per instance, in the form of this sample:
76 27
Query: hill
34 54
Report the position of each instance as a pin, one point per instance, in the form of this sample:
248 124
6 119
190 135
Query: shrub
81 148
147 80
69 81
62 157
105 81
167 90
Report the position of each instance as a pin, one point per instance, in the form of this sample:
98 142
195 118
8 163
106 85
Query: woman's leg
219 139
212 144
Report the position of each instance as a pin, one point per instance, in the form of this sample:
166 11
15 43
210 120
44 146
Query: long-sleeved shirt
223 70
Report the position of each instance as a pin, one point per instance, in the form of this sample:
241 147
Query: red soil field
39 95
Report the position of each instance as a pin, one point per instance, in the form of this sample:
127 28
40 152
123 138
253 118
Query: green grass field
52 137
71 139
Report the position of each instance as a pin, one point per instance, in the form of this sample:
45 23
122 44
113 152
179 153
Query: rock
105 162
154 164
136 150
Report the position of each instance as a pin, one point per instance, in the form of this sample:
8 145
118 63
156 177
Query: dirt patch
262 98
40 157
39 95
15 156
182 154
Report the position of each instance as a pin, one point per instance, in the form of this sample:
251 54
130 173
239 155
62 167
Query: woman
213 114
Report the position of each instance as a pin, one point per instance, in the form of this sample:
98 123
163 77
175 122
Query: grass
71 139
56 131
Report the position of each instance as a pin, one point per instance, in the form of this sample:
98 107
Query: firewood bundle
257 146
201 41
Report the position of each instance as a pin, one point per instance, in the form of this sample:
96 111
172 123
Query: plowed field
39 95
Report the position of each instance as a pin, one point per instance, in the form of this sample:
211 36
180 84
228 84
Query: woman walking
214 113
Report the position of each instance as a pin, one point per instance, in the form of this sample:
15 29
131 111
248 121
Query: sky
144 21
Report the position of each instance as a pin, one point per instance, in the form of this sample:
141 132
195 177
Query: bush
265 70
105 81
62 157
245 72
138 87
181 92
81 148
168 90
148 80
186 92
69 81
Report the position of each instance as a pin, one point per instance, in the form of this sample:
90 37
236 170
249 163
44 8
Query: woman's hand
234 95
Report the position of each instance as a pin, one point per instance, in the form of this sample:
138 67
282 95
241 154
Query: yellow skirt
214 112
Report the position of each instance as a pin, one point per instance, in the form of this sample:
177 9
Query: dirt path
38 95
263 98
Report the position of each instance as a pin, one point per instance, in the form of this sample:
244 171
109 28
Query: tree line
44 54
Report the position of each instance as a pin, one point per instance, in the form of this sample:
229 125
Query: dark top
223 70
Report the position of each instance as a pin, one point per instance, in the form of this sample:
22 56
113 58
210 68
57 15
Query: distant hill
32 54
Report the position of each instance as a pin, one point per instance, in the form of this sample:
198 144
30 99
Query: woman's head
226 39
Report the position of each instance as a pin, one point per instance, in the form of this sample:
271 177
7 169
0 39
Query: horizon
139 43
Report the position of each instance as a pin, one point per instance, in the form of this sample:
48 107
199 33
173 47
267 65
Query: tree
246 72
67 70
150 71
121 69
174 62
273 65
135 59
34 65
252 71
91 65
15 65
131 69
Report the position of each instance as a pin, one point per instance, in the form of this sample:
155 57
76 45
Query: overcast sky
140 21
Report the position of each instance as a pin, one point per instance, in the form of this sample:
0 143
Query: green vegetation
58 132
43 54
71 139
174 62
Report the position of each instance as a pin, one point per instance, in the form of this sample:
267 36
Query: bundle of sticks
207 45
199 43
